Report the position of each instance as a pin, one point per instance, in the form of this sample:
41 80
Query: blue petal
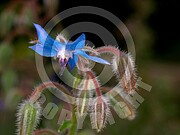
82 53
46 51
99 60
93 58
58 45
73 61
43 37
77 44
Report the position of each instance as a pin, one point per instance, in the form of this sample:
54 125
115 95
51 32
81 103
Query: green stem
73 129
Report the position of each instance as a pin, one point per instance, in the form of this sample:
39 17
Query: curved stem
91 75
96 83
109 49
39 89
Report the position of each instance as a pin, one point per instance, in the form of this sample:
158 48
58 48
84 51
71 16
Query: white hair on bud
99 112
125 71
21 115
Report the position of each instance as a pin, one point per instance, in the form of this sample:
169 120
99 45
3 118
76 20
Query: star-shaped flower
67 52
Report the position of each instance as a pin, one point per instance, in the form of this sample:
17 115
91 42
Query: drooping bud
124 69
123 66
28 117
99 113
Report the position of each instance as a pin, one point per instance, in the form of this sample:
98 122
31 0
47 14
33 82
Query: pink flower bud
99 113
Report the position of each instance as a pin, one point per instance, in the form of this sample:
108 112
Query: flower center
63 56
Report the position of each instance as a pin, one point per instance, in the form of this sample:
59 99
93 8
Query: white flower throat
64 56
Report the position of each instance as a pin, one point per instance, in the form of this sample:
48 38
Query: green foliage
6 21
65 125
8 79
5 54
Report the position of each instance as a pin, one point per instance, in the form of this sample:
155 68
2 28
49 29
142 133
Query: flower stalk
39 89
82 101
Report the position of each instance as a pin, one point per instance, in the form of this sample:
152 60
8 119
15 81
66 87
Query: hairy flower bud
99 113
123 66
124 69
28 117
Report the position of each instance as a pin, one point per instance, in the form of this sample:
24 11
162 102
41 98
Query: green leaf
7 21
5 54
65 125
12 97
8 79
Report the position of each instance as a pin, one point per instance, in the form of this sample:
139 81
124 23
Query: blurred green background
154 26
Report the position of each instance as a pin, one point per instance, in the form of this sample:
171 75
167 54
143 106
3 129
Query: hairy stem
95 81
109 49
39 89
89 72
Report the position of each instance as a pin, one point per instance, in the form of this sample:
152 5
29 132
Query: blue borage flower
67 52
